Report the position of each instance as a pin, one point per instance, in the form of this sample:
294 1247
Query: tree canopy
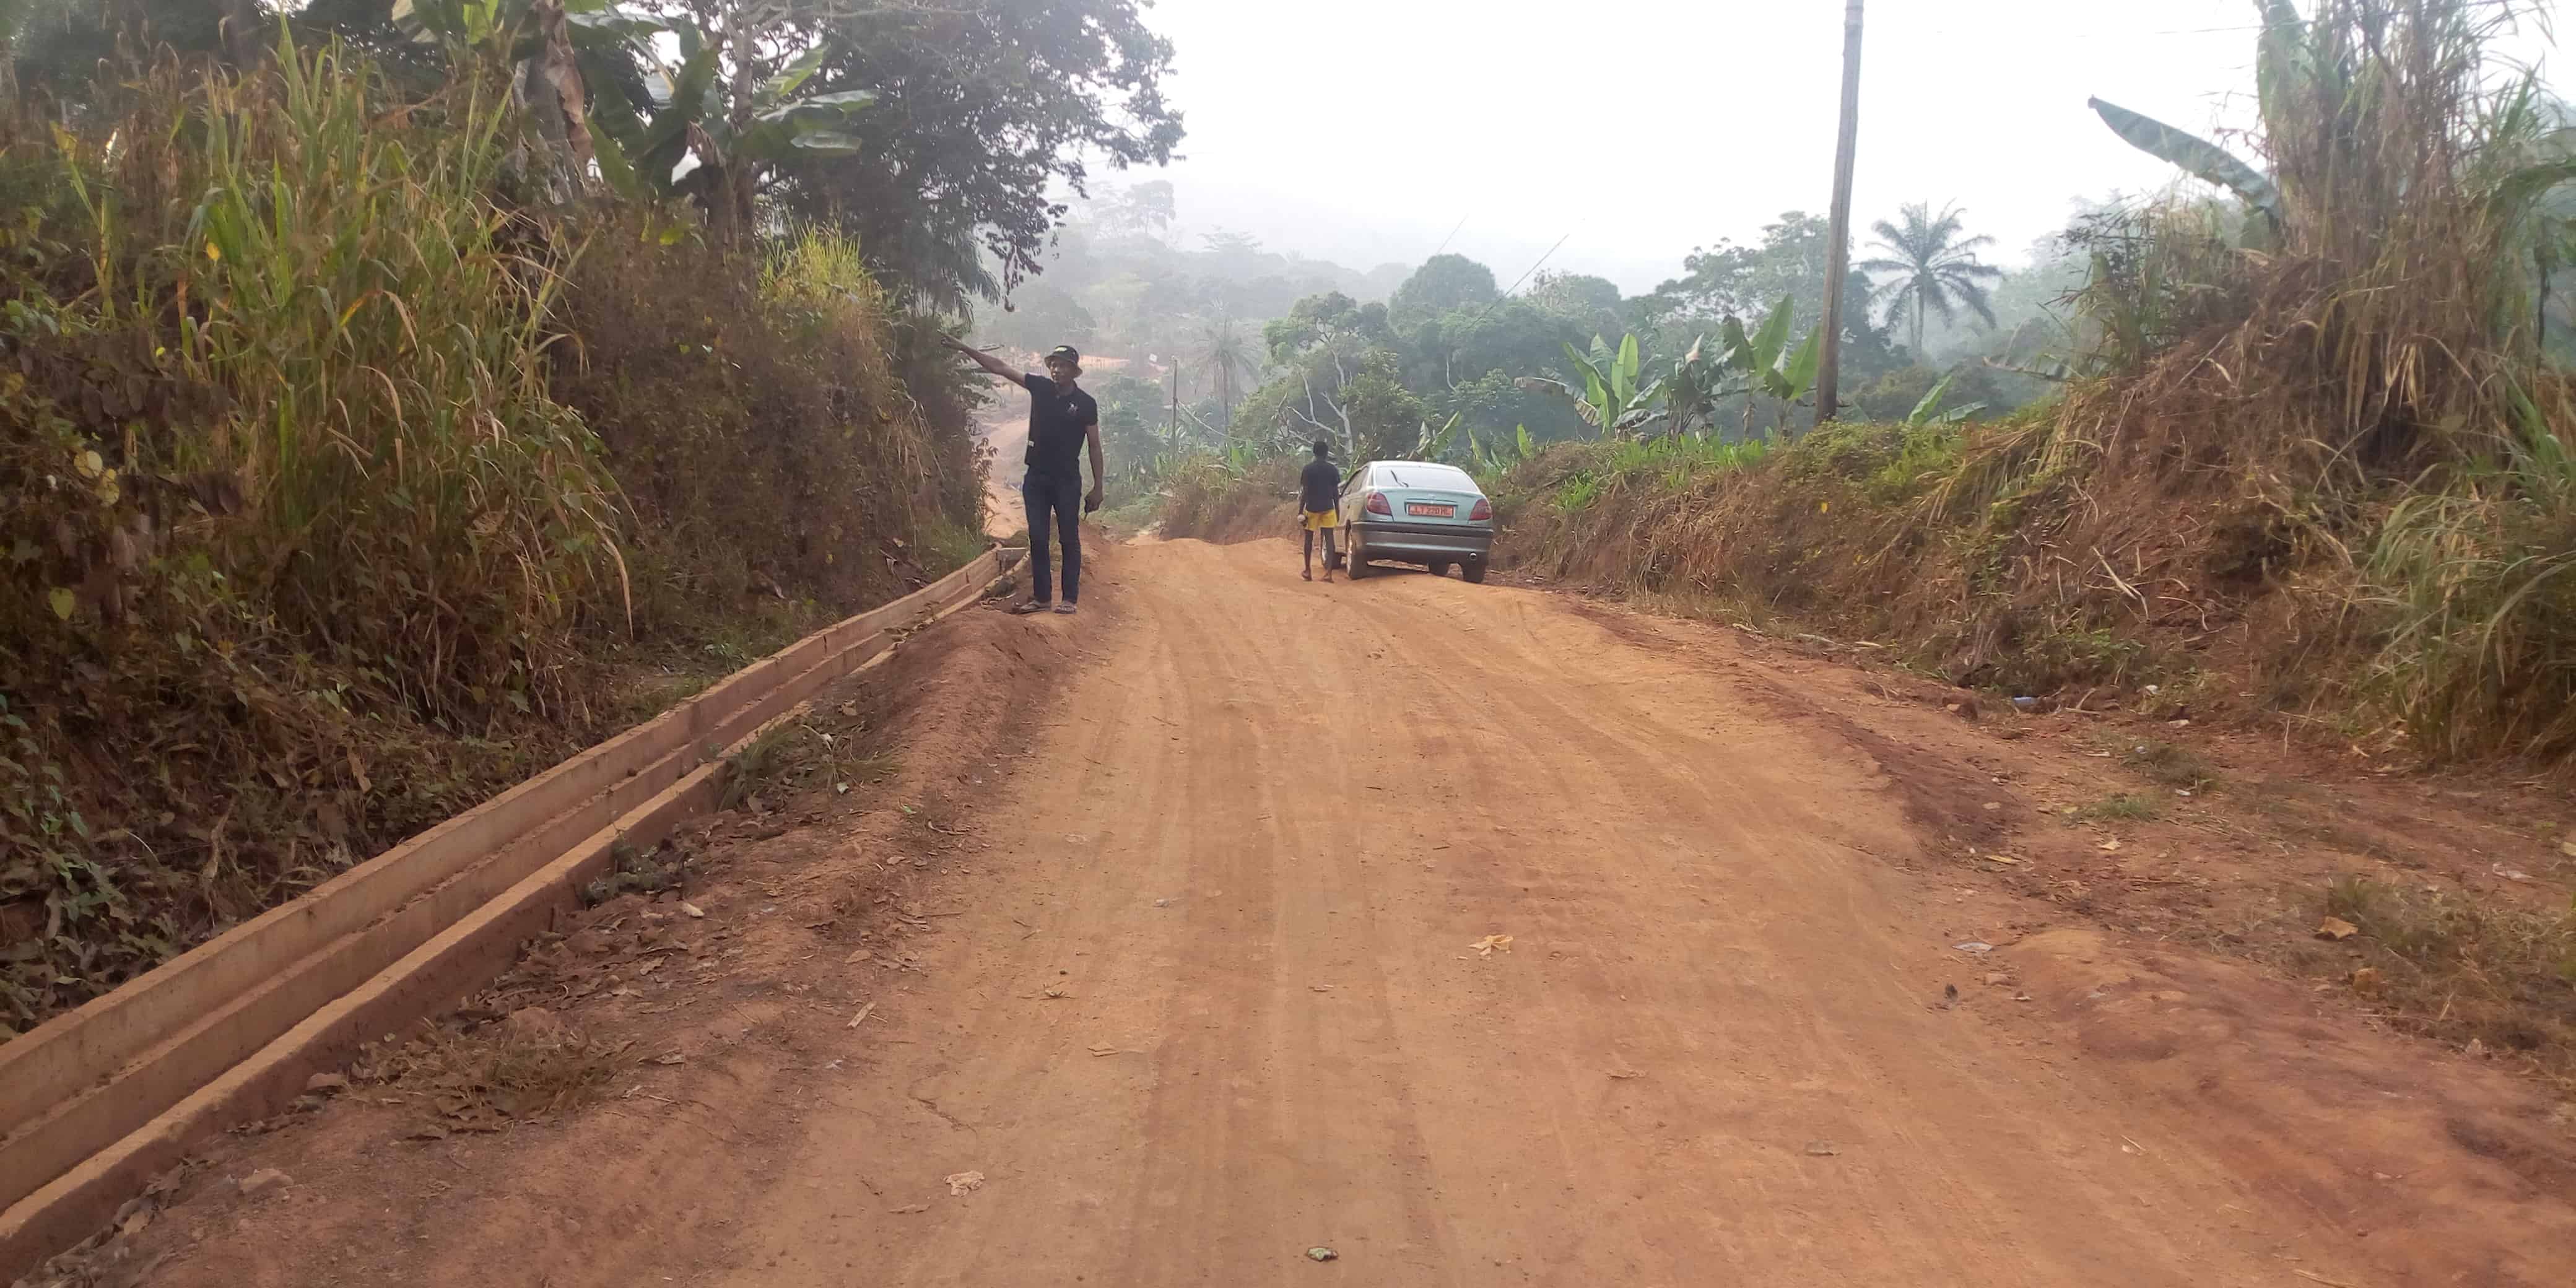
1443 283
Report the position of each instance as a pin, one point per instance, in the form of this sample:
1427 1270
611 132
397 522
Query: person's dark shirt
1056 421
1319 484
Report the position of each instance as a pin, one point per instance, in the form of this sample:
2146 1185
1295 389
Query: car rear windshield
1445 477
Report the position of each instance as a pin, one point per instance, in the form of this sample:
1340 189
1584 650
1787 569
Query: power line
1453 234
1516 282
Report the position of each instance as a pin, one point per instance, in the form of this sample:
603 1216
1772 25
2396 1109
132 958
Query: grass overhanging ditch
345 486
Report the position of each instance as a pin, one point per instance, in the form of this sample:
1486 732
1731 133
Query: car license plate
1426 510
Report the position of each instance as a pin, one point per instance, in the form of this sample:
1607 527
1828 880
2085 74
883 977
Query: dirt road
1204 992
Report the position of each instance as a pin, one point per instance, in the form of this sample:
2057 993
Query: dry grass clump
2466 970
1204 498
529 1066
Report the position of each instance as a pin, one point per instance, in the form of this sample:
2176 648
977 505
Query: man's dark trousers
1062 497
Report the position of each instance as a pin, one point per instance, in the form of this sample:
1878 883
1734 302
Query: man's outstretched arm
983 359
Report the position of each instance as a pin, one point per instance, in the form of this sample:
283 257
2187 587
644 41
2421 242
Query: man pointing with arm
1062 418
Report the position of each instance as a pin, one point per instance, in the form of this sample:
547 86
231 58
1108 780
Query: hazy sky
1362 130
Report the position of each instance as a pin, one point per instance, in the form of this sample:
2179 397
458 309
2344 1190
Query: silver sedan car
1417 512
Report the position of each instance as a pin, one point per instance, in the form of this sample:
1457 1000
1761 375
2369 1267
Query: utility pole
1838 254
1176 404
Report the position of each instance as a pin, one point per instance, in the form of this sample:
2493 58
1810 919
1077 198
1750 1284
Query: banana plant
1492 462
740 134
1432 444
1610 401
1928 411
1693 388
560 52
1757 359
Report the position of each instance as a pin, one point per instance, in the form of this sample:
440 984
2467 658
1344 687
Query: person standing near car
1062 418
1317 487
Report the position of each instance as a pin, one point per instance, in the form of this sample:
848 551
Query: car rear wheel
1476 571
1357 558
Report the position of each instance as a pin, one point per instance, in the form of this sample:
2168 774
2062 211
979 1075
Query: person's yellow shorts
1318 520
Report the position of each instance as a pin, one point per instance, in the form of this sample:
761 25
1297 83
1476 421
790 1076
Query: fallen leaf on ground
2110 847
1485 947
673 1058
1998 858
1974 946
862 1016
965 1183
909 1209
1056 990
857 957
1321 1253
2336 928
692 910
2365 981
1822 1149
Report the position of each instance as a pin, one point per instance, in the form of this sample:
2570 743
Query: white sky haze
1361 131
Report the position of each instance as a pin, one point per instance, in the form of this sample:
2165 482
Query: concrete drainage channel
103 1099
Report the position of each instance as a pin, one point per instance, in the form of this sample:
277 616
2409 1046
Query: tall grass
310 533
758 407
289 509
349 293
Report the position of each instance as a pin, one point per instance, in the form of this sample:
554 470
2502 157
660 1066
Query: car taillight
1377 504
1484 510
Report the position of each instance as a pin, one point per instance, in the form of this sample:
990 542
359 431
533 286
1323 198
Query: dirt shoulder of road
2147 904
653 1028
2436 905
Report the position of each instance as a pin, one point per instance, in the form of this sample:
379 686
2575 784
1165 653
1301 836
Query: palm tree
1936 269
1228 352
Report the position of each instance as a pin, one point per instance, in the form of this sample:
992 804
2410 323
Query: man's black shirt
1056 421
1319 485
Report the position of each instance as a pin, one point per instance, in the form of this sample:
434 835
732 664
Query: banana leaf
1774 334
1800 375
2204 159
614 169
1922 413
795 73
